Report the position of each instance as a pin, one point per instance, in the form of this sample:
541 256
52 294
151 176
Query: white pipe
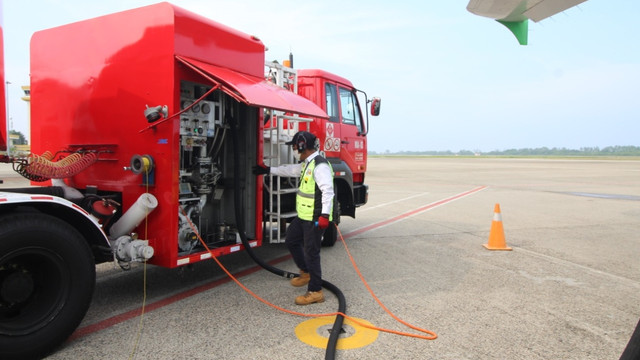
134 216
69 192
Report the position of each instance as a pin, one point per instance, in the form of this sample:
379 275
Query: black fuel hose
342 303
330 353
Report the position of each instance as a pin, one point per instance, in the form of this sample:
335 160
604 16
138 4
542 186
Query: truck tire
47 276
331 233
330 236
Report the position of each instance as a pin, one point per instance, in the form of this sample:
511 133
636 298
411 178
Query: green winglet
519 28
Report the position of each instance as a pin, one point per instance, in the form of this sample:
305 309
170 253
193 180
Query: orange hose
431 334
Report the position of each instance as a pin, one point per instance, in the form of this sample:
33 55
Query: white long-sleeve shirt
321 175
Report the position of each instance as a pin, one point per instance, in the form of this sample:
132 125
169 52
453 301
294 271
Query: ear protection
301 145
304 140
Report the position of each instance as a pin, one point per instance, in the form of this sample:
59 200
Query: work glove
261 170
323 221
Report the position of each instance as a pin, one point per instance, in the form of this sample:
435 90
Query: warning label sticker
331 143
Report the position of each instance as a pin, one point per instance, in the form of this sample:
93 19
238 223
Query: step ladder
280 128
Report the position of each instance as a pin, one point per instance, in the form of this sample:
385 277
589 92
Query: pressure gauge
185 104
196 108
206 108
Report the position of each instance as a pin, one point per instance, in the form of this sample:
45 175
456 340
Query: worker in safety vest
314 207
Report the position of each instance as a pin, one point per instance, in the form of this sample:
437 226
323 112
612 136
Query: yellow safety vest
309 197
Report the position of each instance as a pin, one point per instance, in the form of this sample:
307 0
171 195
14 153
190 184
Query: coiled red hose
43 166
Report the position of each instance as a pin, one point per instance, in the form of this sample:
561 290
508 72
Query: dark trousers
303 240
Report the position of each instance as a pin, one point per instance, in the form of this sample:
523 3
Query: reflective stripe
310 196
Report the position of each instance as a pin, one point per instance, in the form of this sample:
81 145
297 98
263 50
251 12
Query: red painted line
412 212
117 319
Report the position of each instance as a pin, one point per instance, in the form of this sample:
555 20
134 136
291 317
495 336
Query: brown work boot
301 280
310 297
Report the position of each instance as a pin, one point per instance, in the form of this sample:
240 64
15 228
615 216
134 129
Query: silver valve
155 113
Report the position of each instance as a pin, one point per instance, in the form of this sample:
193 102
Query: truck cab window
350 109
332 102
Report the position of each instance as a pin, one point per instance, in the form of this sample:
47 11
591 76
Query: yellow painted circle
308 333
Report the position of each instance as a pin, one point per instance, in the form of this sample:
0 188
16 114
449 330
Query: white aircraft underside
514 14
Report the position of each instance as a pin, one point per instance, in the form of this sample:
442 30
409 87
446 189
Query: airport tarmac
569 289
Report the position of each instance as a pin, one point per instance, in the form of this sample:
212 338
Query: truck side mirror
375 106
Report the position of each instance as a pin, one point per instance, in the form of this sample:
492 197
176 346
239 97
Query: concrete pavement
568 290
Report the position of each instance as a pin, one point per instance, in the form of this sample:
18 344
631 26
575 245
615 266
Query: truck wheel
47 276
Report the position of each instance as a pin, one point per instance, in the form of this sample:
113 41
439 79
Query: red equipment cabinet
91 82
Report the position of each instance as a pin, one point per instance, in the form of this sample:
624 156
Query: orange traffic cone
496 236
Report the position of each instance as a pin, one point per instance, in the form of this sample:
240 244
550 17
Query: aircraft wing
515 14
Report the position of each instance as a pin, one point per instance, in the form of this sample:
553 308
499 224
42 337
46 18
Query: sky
448 79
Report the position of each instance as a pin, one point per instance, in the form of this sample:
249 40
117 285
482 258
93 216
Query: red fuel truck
145 126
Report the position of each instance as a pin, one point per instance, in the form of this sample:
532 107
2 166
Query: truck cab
342 140
345 133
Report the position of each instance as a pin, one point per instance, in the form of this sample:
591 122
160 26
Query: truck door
331 145
353 143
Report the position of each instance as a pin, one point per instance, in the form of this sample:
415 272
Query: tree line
617 150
